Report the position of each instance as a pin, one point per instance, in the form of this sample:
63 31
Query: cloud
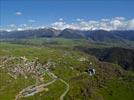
130 24
18 13
59 25
119 18
12 25
79 19
23 25
19 29
31 21
117 23
60 19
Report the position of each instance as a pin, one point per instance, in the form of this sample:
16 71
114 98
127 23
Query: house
91 71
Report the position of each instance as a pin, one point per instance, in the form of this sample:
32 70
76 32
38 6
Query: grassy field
110 82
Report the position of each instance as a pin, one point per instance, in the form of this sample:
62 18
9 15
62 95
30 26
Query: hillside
29 33
66 50
121 56
72 34
69 68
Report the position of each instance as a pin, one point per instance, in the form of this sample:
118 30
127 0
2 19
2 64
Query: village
21 66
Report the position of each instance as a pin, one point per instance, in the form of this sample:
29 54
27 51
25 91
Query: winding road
66 91
27 90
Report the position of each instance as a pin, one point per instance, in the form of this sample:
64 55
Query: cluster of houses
24 68
27 67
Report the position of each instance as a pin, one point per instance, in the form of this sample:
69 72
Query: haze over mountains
95 35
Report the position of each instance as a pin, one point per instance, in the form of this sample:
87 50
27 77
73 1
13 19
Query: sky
60 14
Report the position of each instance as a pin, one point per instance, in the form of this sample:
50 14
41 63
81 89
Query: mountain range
95 35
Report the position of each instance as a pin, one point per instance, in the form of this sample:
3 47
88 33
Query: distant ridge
95 35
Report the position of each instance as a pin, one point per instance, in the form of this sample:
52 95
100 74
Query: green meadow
110 81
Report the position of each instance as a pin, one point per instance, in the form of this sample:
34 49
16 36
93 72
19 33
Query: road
31 90
67 85
66 91
27 90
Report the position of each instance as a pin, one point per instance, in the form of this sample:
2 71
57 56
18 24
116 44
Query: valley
58 72
66 50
